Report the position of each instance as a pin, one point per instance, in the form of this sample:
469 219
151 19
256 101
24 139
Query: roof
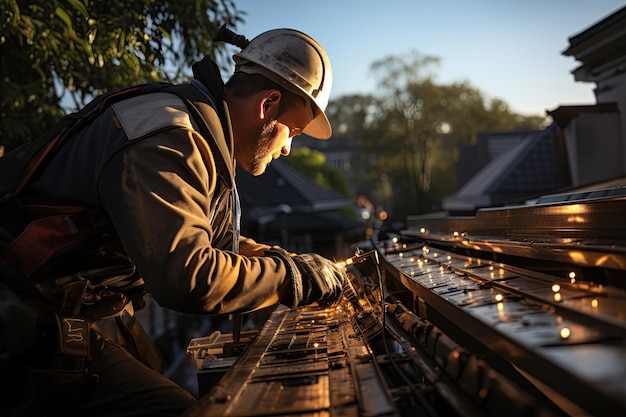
321 222
599 47
562 115
282 185
527 168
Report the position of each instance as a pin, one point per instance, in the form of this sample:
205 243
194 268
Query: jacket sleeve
249 247
161 193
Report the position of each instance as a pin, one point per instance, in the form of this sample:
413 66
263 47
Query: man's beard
264 148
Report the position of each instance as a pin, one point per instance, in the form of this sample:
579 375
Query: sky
508 49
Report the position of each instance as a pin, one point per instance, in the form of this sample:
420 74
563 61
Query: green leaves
65 51
409 132
79 6
313 164
11 13
62 14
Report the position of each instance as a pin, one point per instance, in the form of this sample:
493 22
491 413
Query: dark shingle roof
282 184
527 168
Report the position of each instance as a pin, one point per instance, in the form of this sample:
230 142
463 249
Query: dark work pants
125 388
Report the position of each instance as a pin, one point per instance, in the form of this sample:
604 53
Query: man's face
275 136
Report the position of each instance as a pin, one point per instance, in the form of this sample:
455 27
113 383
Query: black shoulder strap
19 165
202 112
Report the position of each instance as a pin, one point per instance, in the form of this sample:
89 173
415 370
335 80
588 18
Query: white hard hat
296 62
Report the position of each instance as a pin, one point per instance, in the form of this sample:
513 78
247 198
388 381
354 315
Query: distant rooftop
528 167
283 185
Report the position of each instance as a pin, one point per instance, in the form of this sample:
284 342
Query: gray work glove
314 278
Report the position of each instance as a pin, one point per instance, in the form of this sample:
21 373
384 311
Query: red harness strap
32 251
42 232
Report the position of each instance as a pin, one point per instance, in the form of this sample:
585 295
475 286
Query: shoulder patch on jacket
148 113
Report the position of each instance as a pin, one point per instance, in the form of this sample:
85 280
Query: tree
414 127
57 54
350 115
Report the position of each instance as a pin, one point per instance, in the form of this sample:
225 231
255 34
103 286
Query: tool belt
125 330
80 307
91 302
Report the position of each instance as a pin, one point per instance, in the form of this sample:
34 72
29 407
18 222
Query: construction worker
147 191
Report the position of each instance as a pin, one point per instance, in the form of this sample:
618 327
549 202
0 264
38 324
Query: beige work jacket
171 206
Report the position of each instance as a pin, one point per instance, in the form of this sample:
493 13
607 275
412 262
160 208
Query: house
595 135
515 166
585 146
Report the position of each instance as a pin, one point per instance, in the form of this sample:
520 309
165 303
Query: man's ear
270 103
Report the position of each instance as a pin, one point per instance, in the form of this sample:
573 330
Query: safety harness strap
42 239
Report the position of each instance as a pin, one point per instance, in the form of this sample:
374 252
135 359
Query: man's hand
314 278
